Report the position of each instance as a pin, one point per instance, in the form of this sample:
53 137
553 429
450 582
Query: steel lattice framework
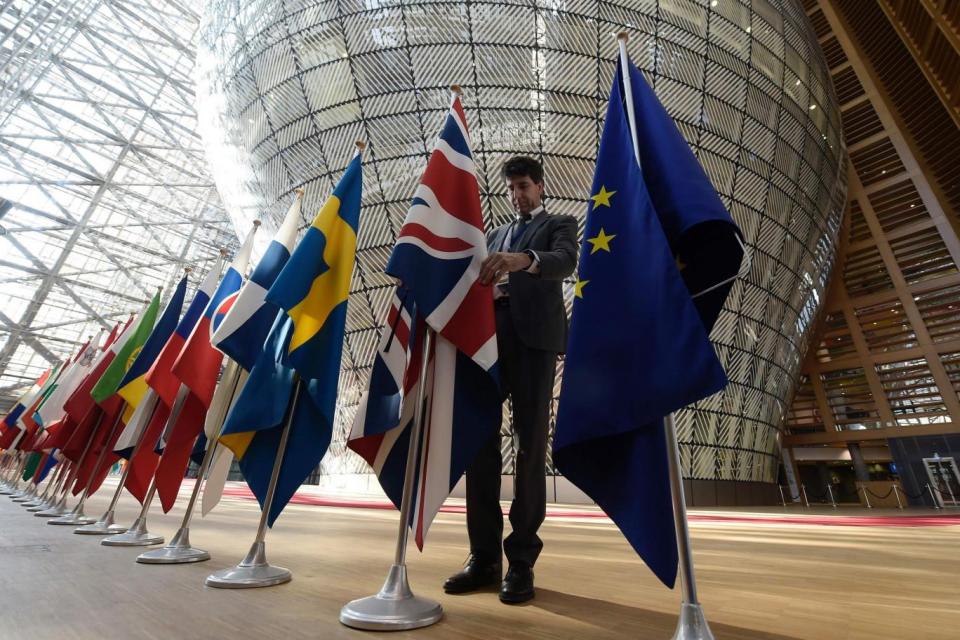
104 190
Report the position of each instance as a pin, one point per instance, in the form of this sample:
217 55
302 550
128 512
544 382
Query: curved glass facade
286 87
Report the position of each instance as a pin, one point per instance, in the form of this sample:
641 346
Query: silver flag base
253 571
9 490
75 517
136 536
55 511
29 504
23 497
692 624
102 527
395 608
178 551
43 506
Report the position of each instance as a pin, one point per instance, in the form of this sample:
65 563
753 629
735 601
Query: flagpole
395 608
61 506
692 624
15 479
53 488
42 497
77 514
56 505
105 524
137 534
179 550
254 570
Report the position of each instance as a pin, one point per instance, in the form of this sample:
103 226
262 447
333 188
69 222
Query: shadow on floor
628 621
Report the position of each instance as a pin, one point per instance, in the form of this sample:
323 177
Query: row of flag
156 392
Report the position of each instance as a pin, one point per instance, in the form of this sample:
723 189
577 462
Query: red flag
143 463
176 453
105 435
79 403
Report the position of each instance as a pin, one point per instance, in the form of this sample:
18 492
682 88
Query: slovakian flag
245 326
198 368
437 259
306 340
656 235
241 337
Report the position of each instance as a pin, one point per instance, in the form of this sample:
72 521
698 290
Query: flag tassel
254 570
692 624
395 607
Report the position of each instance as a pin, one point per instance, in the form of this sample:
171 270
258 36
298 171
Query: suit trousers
526 376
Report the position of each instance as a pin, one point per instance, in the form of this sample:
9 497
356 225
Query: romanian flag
306 339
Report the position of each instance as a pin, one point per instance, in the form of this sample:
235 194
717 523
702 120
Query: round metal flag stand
105 525
395 608
137 535
254 570
77 517
179 550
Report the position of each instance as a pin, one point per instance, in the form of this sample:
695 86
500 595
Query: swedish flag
306 339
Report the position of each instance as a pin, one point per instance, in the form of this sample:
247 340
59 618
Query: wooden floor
757 580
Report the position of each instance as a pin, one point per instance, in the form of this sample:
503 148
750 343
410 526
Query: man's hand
498 264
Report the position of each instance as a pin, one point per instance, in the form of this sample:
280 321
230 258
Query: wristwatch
534 258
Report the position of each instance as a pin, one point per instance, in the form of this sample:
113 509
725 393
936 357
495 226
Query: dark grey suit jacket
536 300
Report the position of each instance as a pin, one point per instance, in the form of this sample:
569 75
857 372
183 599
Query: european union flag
306 339
656 234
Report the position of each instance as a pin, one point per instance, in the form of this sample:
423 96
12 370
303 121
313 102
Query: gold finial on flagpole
361 145
299 191
224 252
187 270
256 223
457 89
623 36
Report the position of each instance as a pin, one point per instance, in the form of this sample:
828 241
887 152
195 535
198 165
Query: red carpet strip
816 520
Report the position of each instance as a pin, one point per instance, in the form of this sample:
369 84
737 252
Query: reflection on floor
769 573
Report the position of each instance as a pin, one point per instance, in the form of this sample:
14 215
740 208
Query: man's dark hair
522 166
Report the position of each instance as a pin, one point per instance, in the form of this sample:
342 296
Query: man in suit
527 262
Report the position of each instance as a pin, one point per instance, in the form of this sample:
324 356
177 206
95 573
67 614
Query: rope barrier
879 497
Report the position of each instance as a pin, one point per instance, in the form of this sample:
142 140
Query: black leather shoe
477 574
517 585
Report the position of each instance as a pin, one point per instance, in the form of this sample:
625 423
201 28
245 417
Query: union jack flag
437 258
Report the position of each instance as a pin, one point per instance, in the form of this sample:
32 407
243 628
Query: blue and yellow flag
306 340
639 346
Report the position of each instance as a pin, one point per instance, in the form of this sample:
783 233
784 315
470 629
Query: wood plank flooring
757 581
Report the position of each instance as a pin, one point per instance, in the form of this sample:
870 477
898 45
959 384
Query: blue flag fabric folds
306 339
639 346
